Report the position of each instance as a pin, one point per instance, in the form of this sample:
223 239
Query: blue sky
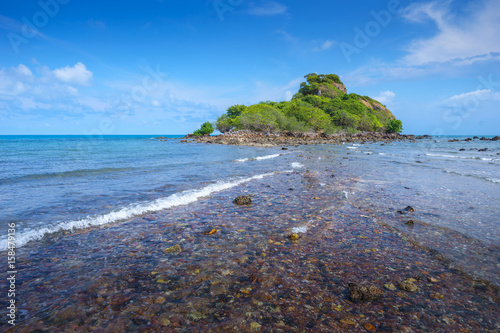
165 67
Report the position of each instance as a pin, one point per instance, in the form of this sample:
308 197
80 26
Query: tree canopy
322 104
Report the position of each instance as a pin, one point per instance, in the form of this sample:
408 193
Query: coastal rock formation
250 138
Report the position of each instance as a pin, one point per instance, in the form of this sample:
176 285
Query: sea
54 184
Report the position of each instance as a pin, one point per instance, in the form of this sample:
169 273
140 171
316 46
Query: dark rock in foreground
243 200
358 292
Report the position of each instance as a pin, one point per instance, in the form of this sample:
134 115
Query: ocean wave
493 180
258 158
177 199
463 157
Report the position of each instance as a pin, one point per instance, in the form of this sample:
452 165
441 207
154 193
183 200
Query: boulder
243 200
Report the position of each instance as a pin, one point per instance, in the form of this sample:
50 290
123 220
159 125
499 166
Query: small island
320 112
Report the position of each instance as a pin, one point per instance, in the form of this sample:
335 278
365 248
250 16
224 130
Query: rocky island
320 112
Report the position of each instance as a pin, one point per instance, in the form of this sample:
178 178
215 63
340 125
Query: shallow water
52 183
455 194
247 275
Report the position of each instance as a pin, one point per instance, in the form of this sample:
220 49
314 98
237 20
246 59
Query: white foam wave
301 229
463 157
258 158
494 180
177 199
266 157
297 165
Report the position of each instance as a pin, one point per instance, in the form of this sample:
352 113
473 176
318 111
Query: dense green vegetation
395 126
206 128
322 104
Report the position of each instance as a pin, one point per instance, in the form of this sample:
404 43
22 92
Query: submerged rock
358 292
173 249
389 286
408 285
243 200
294 236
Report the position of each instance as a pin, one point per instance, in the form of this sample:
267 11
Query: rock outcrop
248 138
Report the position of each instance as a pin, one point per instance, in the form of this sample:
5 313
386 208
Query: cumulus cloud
78 74
469 37
385 97
15 80
269 8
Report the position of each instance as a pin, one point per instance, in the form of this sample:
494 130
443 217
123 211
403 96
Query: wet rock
210 231
284 148
195 315
243 200
359 292
390 286
496 138
408 285
255 326
173 249
462 149
294 236
409 209
409 222
484 149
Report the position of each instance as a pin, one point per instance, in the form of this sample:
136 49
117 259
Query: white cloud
269 8
325 46
385 97
480 94
23 70
457 38
78 74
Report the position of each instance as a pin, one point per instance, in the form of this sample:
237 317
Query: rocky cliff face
340 86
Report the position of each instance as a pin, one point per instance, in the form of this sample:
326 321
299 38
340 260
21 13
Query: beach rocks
359 292
390 286
283 139
173 249
407 209
242 200
293 236
408 285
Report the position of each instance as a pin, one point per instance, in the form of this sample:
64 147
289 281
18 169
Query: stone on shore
358 292
243 200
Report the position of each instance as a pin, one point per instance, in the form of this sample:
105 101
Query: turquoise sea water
61 183
51 183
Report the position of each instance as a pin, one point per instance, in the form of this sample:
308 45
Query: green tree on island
322 104
206 128
394 126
